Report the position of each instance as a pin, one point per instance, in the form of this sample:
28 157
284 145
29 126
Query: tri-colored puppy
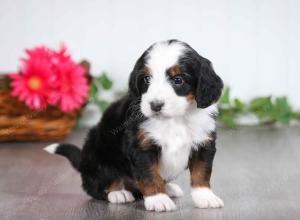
162 126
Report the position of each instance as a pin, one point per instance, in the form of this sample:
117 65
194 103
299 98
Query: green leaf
227 117
284 119
97 83
282 110
268 110
228 121
102 104
262 107
239 105
282 105
3 87
261 103
104 81
93 91
4 84
296 115
225 98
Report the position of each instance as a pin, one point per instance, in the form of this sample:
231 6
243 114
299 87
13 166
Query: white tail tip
51 148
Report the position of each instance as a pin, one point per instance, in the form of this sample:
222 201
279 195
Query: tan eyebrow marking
174 70
147 71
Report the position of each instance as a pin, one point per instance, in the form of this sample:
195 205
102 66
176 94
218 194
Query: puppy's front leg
151 184
200 165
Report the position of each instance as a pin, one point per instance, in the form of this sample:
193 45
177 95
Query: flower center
34 83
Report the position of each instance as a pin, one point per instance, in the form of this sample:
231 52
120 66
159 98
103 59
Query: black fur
205 153
209 86
136 85
71 152
112 150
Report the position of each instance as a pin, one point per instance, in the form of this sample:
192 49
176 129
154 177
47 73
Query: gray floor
256 173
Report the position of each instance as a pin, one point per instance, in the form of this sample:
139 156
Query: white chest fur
177 136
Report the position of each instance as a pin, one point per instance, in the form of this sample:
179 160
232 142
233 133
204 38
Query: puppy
164 125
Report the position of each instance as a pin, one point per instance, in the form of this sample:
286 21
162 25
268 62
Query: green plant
268 109
4 84
97 84
230 109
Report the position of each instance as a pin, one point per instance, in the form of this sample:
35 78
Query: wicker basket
19 123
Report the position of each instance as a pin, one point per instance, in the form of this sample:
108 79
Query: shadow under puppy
162 126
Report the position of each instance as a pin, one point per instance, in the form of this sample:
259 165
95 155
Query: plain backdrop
253 44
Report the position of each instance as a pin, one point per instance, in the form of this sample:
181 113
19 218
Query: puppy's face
170 77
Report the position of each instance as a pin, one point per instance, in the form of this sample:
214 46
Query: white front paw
173 190
159 203
203 198
121 196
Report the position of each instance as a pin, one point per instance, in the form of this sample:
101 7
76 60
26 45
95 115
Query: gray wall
254 44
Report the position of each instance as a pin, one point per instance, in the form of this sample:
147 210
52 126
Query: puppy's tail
71 152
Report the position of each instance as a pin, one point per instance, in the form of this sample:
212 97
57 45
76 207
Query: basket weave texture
19 123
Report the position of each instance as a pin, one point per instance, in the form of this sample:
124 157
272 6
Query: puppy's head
171 77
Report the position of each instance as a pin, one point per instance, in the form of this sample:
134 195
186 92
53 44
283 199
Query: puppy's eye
177 80
147 79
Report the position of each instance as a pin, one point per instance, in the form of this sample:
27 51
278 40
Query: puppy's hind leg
94 187
120 196
106 187
117 194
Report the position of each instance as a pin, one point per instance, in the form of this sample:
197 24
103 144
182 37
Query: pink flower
33 83
71 87
50 77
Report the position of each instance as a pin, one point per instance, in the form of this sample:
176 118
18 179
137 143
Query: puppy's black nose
156 106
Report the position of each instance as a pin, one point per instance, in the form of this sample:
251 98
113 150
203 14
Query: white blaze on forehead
163 56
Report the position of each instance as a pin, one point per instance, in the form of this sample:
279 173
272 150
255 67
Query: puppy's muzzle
156 106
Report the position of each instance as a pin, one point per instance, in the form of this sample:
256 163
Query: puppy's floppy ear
133 83
134 76
209 85
135 86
